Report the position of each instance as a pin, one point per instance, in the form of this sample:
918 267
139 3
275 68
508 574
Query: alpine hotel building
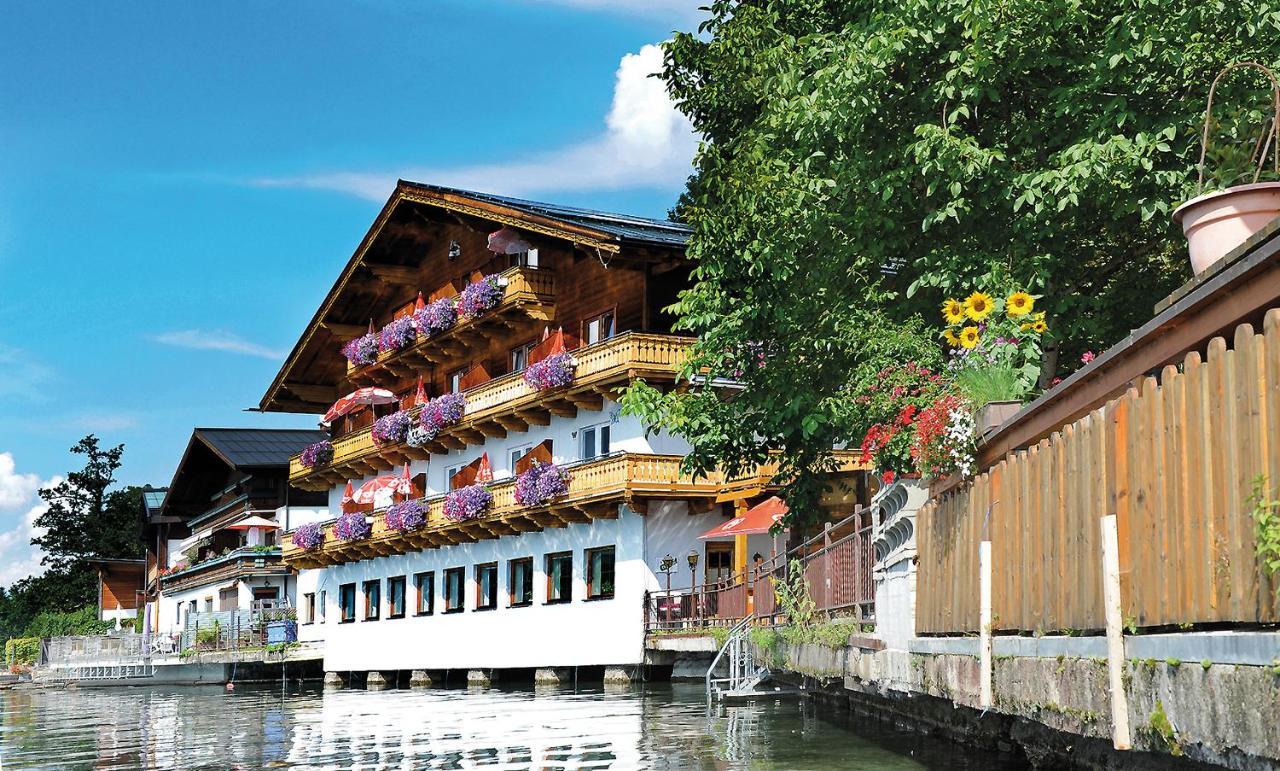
492 508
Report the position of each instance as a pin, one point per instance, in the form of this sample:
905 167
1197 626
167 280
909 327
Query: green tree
85 520
863 160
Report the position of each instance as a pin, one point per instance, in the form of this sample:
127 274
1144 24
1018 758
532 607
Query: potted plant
1225 217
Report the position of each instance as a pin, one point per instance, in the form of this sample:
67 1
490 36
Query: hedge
21 650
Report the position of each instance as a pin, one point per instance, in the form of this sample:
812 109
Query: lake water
663 726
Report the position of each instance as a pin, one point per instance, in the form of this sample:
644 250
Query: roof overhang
461 206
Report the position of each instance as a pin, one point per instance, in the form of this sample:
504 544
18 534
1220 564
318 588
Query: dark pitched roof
622 226
258 447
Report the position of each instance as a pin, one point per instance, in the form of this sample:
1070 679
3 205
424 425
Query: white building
559 583
212 536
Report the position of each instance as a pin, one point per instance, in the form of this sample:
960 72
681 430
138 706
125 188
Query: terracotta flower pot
992 415
1216 223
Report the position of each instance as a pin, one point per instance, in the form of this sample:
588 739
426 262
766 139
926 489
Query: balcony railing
527 293
596 487
506 404
246 559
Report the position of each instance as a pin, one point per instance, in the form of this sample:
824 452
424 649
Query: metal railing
96 657
836 570
229 630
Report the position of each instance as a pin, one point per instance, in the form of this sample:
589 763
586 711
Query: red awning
758 519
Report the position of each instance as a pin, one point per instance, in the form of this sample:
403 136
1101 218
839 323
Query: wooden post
1115 633
985 699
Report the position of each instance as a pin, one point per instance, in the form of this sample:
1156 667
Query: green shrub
21 650
62 624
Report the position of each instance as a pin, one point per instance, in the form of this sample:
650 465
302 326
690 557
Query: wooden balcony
240 563
528 294
508 404
596 488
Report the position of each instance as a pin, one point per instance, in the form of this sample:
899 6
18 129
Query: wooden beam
312 392
344 332
399 275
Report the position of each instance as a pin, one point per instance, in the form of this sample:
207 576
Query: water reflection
658 727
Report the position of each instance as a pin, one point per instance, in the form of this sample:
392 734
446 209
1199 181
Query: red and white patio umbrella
484 472
255 521
348 499
419 304
420 395
371 490
507 241
358 398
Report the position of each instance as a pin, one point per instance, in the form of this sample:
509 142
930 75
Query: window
372 599
309 608
487 586
520 582
395 597
347 603
455 380
323 605
520 356
453 580
559 577
425 584
600 573
598 328
449 473
527 259
719 561
517 454
208 604
595 441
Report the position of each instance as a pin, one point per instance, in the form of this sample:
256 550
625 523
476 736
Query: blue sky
180 184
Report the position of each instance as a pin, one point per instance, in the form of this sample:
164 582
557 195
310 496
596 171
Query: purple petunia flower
467 503
361 351
317 454
540 483
392 428
479 296
442 412
352 527
309 536
552 372
436 317
398 334
406 516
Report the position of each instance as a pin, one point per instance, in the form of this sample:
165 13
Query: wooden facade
120 585
1174 458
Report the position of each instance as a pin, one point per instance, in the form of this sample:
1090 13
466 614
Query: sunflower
978 306
953 311
1019 304
951 338
969 337
1039 326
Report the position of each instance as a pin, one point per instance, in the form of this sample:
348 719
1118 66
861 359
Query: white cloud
15 489
216 340
646 143
18 558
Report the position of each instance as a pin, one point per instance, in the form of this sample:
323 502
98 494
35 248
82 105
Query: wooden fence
1174 459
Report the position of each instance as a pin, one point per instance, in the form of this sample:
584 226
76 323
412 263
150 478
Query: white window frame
601 449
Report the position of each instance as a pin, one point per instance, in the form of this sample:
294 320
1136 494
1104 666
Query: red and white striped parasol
507 241
356 399
419 304
370 491
348 497
420 395
485 472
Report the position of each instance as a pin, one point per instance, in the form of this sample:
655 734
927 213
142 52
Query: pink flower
1087 357
1055 381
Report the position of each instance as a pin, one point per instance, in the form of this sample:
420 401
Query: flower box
406 516
352 527
318 454
440 413
992 415
552 372
467 503
391 429
542 482
308 537
480 296
361 351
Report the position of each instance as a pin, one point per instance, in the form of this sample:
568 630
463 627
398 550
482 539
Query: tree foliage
85 520
862 160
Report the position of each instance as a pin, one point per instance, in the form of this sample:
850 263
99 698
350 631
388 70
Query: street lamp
666 566
693 580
